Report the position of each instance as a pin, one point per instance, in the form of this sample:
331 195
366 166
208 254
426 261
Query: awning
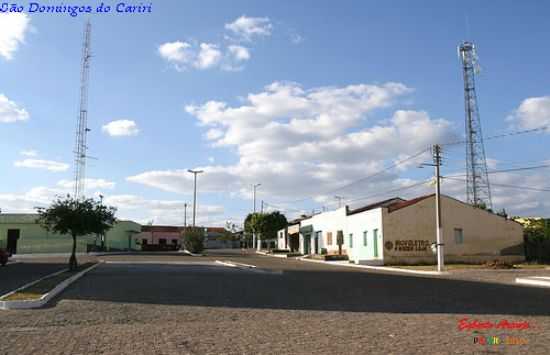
306 229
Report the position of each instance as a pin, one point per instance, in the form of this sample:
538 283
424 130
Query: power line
387 192
497 136
510 170
507 185
368 177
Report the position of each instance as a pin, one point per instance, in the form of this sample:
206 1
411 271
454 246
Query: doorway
13 236
375 242
307 244
316 245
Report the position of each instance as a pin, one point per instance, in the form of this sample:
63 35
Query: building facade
21 234
397 231
289 238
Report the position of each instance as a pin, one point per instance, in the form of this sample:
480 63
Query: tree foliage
536 235
265 225
193 239
77 218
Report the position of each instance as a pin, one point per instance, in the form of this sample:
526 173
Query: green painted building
21 234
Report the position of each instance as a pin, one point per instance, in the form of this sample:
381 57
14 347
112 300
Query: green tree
77 218
193 239
265 225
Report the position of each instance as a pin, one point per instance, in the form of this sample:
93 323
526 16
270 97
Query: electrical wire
506 185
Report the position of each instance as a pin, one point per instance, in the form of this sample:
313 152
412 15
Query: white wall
331 221
281 234
357 224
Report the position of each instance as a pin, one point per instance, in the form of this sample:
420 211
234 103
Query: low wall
453 259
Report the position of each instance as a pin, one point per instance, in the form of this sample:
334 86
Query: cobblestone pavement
305 309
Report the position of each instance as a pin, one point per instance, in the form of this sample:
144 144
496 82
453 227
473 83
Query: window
351 240
329 238
144 241
365 238
174 242
162 241
375 233
459 236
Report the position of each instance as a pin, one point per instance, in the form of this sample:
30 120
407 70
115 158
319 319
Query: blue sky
303 97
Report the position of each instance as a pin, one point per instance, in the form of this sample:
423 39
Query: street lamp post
195 173
254 241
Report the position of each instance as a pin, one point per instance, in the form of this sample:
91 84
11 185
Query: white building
397 231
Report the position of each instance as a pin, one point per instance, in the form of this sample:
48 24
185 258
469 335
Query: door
316 243
307 241
375 242
13 236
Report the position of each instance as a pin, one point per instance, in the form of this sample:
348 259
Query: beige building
398 231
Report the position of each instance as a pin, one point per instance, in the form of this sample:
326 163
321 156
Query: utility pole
254 194
195 173
254 186
340 199
185 215
262 209
439 227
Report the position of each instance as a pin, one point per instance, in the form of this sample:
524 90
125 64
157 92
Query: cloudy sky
311 99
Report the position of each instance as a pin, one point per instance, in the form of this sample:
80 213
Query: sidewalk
379 268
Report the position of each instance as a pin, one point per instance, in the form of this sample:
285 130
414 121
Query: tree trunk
72 261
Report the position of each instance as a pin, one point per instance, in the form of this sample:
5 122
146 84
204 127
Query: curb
379 268
541 281
284 256
185 251
234 264
153 262
6 305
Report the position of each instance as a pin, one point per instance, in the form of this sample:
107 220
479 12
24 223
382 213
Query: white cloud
89 183
169 212
42 164
176 51
296 38
533 112
29 153
10 111
128 206
13 28
246 28
209 56
183 56
300 142
121 128
239 53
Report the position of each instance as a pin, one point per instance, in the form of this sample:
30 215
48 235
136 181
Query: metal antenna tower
478 190
82 124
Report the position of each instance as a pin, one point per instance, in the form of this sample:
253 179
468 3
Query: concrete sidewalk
379 268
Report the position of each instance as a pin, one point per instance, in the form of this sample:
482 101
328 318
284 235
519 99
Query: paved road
292 308
15 275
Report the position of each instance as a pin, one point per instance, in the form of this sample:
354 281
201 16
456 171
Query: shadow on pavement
303 290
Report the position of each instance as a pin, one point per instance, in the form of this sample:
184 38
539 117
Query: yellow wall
486 235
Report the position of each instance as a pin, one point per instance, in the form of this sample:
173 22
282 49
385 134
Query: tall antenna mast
82 124
478 190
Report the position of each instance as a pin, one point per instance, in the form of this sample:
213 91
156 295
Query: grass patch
36 291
